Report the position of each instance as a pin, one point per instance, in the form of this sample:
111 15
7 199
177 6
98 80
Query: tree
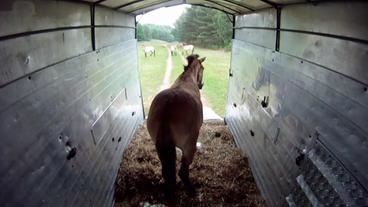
204 27
147 32
140 33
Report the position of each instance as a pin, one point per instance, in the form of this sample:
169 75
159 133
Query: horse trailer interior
297 103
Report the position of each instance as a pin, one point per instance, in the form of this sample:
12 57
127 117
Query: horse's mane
190 59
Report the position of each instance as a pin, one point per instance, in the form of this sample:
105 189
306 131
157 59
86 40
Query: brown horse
174 120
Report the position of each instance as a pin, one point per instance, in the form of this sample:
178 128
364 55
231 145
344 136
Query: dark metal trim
79 1
127 4
135 33
233 35
353 39
263 28
230 19
100 1
239 4
221 5
115 26
273 4
93 34
278 25
11 36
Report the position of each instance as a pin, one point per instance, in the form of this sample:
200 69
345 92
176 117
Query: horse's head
196 63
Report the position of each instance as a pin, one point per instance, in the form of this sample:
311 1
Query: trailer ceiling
234 7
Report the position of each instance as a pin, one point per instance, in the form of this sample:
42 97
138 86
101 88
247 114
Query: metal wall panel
328 18
112 27
49 111
33 15
38 128
343 56
265 18
110 36
301 120
264 38
258 28
23 55
105 16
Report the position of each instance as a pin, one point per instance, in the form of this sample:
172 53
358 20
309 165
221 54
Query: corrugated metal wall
298 102
69 102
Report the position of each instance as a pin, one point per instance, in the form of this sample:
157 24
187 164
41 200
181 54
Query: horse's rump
176 110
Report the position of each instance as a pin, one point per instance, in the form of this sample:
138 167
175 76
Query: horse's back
149 48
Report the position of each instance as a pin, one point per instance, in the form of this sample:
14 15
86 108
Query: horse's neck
187 79
191 73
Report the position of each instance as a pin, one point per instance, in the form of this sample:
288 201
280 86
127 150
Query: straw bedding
219 171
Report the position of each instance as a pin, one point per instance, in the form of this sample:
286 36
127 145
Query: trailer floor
219 171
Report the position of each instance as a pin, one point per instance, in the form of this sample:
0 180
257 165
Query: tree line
146 32
198 25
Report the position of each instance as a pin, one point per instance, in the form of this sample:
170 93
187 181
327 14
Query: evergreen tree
204 27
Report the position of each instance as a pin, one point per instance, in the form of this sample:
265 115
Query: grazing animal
174 120
180 45
188 49
150 50
173 50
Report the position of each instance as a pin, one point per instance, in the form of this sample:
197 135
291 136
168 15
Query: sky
163 16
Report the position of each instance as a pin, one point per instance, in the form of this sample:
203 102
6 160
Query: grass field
216 72
216 77
217 64
152 70
178 67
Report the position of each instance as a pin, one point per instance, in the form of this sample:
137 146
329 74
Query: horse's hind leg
186 160
167 155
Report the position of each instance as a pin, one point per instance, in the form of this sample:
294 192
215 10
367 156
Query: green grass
217 64
216 79
152 70
178 68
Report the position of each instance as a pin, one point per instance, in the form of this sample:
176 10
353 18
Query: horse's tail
166 151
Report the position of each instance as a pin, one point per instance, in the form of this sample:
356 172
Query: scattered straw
219 171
